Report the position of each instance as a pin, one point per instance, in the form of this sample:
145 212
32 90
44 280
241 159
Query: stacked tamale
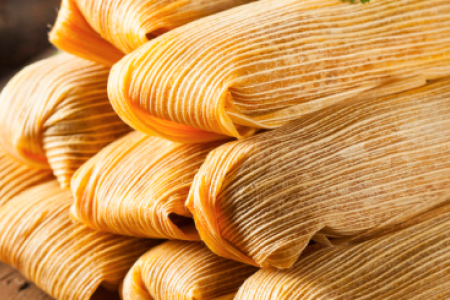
232 149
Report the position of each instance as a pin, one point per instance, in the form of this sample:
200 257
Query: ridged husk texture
178 270
411 264
266 63
68 261
55 114
334 174
138 186
16 177
103 30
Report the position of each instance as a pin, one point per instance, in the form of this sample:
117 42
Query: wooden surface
14 286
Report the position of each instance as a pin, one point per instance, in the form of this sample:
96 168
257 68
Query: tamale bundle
138 186
103 30
410 264
266 63
66 260
56 114
15 177
332 174
178 270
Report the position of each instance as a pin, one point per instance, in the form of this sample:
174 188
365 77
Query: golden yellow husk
261 65
55 114
178 270
16 177
68 261
104 30
331 175
410 264
138 186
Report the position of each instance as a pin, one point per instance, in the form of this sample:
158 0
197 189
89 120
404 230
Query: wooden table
14 286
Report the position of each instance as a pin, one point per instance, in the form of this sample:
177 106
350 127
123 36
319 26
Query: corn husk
15 177
138 186
68 261
410 264
178 270
55 114
102 31
261 65
331 175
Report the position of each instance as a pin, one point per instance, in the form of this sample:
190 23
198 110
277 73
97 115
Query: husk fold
68 261
177 270
55 114
333 174
138 186
15 177
103 30
410 264
261 65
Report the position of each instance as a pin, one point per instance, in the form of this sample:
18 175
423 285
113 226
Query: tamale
178 270
410 264
56 114
263 64
138 186
68 261
15 177
332 174
103 30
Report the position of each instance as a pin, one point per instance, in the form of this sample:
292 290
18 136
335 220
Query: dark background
24 26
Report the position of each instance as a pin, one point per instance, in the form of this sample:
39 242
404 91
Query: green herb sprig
353 1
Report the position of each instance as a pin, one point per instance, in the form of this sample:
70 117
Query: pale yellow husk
178 270
55 114
410 264
68 261
103 30
16 177
333 174
138 186
263 64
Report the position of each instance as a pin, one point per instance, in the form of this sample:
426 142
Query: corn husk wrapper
333 174
66 260
56 114
178 270
15 177
266 63
103 30
406 264
138 186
